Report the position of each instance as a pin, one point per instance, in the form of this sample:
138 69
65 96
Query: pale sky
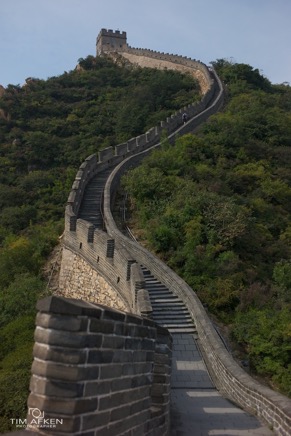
44 38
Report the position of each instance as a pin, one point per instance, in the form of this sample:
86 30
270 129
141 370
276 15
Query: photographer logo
36 419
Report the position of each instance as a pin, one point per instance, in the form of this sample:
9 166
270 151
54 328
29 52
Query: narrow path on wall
91 206
197 408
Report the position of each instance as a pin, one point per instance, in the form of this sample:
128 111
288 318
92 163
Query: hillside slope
216 208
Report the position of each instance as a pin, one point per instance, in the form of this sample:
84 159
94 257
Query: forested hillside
216 207
47 128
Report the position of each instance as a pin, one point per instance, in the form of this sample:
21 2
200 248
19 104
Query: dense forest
216 207
47 128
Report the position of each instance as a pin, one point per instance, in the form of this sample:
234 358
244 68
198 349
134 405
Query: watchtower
108 40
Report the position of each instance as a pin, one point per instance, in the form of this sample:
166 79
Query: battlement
109 40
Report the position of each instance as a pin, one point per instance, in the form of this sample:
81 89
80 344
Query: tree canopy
47 128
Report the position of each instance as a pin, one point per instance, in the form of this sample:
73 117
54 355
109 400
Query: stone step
169 310
158 290
182 330
172 310
159 305
163 297
90 209
181 317
178 324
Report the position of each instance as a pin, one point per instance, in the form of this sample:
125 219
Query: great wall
103 345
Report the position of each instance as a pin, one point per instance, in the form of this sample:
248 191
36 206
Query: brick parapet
94 368
120 269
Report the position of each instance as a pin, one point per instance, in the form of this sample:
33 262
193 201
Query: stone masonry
98 371
79 280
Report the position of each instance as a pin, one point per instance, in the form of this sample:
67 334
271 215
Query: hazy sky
44 38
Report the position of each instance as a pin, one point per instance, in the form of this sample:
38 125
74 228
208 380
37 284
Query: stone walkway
198 409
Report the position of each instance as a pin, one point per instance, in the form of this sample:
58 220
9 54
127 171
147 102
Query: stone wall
98 371
108 265
80 237
114 44
152 59
79 280
228 376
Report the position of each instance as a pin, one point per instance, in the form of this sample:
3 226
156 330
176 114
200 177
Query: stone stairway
169 310
91 205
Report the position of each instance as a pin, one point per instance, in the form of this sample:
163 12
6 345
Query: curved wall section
90 244
229 377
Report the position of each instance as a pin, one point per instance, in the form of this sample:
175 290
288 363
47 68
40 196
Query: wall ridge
97 368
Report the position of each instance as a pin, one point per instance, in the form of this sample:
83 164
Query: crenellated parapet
112 156
101 365
114 44
113 262
102 370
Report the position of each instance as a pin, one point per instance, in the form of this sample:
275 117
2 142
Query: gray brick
147 344
142 331
96 419
64 372
115 400
42 386
103 431
94 340
121 384
59 354
69 306
162 359
141 380
62 322
129 330
96 388
97 325
150 355
120 412
133 344
120 329
110 371
137 368
140 355
159 389
161 378
162 369
139 430
122 356
128 422
113 315
100 356
138 406
113 342
57 337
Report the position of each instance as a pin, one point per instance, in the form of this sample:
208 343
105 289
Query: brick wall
98 370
